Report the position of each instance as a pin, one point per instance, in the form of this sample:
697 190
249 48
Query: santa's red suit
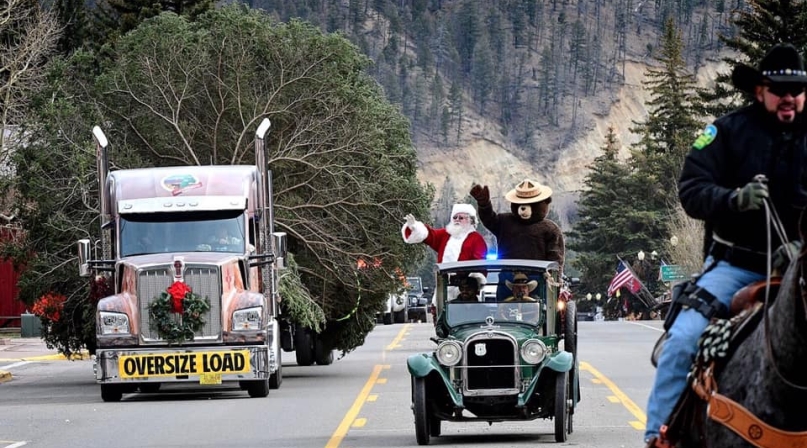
457 243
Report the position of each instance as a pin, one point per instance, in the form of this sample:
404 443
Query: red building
10 307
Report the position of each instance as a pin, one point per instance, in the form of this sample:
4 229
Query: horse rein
771 217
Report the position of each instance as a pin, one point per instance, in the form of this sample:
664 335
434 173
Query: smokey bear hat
783 64
528 192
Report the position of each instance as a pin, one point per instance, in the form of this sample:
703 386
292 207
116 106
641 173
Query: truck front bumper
208 365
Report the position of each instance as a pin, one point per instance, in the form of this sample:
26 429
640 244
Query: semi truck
193 259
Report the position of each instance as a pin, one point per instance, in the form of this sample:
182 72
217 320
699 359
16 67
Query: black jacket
749 141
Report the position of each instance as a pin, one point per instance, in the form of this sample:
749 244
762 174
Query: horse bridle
771 217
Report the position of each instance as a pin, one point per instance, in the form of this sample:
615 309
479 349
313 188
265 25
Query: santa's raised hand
410 221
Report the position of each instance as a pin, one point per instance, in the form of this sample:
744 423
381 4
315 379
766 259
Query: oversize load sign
189 363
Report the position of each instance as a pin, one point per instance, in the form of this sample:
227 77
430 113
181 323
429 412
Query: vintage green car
500 357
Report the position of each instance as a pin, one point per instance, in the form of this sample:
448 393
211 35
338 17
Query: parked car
419 299
512 360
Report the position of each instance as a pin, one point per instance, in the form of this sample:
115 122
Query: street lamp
640 255
598 296
653 255
673 241
588 296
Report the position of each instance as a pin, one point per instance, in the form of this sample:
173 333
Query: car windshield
152 233
516 295
469 313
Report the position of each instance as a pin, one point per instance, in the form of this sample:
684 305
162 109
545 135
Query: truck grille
203 280
492 365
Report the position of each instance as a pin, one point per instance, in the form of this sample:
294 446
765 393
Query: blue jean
681 346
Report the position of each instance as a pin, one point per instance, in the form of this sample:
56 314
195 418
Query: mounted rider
720 184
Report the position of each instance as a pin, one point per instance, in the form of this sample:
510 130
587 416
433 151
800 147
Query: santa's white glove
410 221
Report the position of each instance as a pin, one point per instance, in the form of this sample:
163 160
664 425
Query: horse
763 374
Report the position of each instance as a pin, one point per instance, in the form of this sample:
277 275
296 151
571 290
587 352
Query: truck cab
193 259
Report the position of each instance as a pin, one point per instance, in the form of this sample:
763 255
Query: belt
740 257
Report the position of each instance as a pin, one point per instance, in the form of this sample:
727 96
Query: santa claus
458 241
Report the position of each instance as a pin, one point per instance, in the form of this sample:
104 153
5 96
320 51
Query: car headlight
114 323
561 305
533 351
449 353
247 319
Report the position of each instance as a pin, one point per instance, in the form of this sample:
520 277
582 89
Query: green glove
751 196
784 254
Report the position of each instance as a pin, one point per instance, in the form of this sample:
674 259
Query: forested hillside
496 90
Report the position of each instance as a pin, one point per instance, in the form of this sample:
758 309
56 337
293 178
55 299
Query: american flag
624 277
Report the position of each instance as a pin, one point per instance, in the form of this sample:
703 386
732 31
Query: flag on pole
624 278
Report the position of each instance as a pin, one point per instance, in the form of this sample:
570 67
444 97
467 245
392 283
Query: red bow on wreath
178 291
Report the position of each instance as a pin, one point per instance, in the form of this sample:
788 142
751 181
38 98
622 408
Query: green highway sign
672 273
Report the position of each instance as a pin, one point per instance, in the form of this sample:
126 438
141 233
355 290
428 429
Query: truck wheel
111 392
277 378
387 319
562 411
323 355
258 389
304 346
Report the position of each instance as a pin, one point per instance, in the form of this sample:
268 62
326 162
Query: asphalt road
362 400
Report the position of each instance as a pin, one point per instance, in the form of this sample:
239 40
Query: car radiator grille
491 364
203 280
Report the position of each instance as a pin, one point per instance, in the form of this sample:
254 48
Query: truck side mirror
83 257
279 244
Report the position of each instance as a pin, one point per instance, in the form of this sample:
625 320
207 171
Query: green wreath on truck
178 299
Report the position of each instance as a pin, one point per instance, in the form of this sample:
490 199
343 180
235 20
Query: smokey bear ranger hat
782 65
528 192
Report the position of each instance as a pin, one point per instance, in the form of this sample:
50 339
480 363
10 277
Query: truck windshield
153 233
415 286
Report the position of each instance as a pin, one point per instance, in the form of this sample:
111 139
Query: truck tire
304 346
323 354
111 392
387 319
276 379
258 389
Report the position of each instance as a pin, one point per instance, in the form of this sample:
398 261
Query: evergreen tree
670 128
115 18
762 25
595 236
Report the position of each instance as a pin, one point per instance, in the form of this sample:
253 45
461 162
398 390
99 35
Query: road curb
5 376
56 357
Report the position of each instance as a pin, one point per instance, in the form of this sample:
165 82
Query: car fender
423 365
560 362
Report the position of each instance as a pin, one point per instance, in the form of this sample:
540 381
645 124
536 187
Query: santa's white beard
453 247
459 230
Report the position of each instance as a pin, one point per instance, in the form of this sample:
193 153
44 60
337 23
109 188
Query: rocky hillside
484 156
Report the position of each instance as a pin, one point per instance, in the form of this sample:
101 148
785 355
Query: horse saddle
746 312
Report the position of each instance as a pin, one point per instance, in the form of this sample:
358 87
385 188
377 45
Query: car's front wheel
419 406
561 407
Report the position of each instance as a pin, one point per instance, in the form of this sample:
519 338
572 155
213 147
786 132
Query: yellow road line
394 344
621 396
344 426
57 357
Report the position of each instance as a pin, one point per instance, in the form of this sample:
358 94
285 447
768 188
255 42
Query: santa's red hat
465 208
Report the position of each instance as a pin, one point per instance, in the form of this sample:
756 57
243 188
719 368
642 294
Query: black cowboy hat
782 64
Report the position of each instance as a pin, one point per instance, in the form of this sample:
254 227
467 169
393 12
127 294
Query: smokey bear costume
525 232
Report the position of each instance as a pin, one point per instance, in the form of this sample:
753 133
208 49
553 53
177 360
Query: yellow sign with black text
180 364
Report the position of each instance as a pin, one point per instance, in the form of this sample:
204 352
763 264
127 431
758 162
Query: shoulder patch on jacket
707 136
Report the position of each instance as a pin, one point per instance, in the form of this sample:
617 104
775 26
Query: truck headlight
114 323
533 351
449 353
247 319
